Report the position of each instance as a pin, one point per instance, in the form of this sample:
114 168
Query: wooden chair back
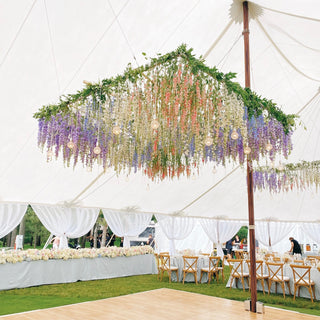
311 261
268 256
214 263
275 270
236 267
164 261
314 257
190 264
301 274
239 254
259 267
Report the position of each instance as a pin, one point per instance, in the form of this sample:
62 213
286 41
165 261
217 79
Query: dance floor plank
156 305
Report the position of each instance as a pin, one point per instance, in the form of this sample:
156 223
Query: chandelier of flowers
165 118
300 176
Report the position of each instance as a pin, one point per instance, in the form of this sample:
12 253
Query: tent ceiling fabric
50 47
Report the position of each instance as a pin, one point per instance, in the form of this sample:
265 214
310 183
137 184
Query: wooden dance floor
159 304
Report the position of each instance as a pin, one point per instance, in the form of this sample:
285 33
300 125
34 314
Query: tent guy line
178 25
94 47
52 48
124 34
17 34
291 14
212 187
282 54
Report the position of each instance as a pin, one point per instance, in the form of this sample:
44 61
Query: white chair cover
66 222
126 224
269 233
11 215
220 231
175 228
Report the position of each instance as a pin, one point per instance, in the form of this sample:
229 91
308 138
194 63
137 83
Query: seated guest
229 248
55 243
236 242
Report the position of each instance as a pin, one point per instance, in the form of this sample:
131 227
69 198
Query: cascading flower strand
300 176
164 119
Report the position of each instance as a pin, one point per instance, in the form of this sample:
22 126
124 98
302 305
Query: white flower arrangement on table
286 258
262 251
14 256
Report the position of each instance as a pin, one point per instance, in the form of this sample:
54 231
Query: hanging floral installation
165 118
299 176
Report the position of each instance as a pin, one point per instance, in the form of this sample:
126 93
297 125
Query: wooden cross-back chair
212 269
276 259
268 256
275 271
236 272
221 269
314 257
239 254
259 273
159 262
157 257
302 278
165 266
311 261
190 266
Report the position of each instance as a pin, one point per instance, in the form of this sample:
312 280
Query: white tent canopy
50 47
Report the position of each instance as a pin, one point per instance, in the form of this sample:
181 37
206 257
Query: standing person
91 240
150 241
295 246
121 242
55 243
108 237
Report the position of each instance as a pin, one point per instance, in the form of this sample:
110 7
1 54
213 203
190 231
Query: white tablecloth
287 271
26 274
177 261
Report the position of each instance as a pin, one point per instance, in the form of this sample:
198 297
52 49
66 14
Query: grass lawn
19 300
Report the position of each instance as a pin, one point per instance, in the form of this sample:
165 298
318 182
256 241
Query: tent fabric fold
126 225
66 222
11 215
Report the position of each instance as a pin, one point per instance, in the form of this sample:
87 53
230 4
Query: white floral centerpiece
14 256
286 257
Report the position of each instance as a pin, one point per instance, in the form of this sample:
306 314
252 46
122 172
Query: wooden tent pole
253 283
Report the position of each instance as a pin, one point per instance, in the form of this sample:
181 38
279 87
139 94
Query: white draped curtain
269 232
175 228
66 222
312 230
126 224
11 215
220 231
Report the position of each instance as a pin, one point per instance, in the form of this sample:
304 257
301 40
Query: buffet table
33 273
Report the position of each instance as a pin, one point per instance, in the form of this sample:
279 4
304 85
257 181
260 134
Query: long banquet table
287 271
33 273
